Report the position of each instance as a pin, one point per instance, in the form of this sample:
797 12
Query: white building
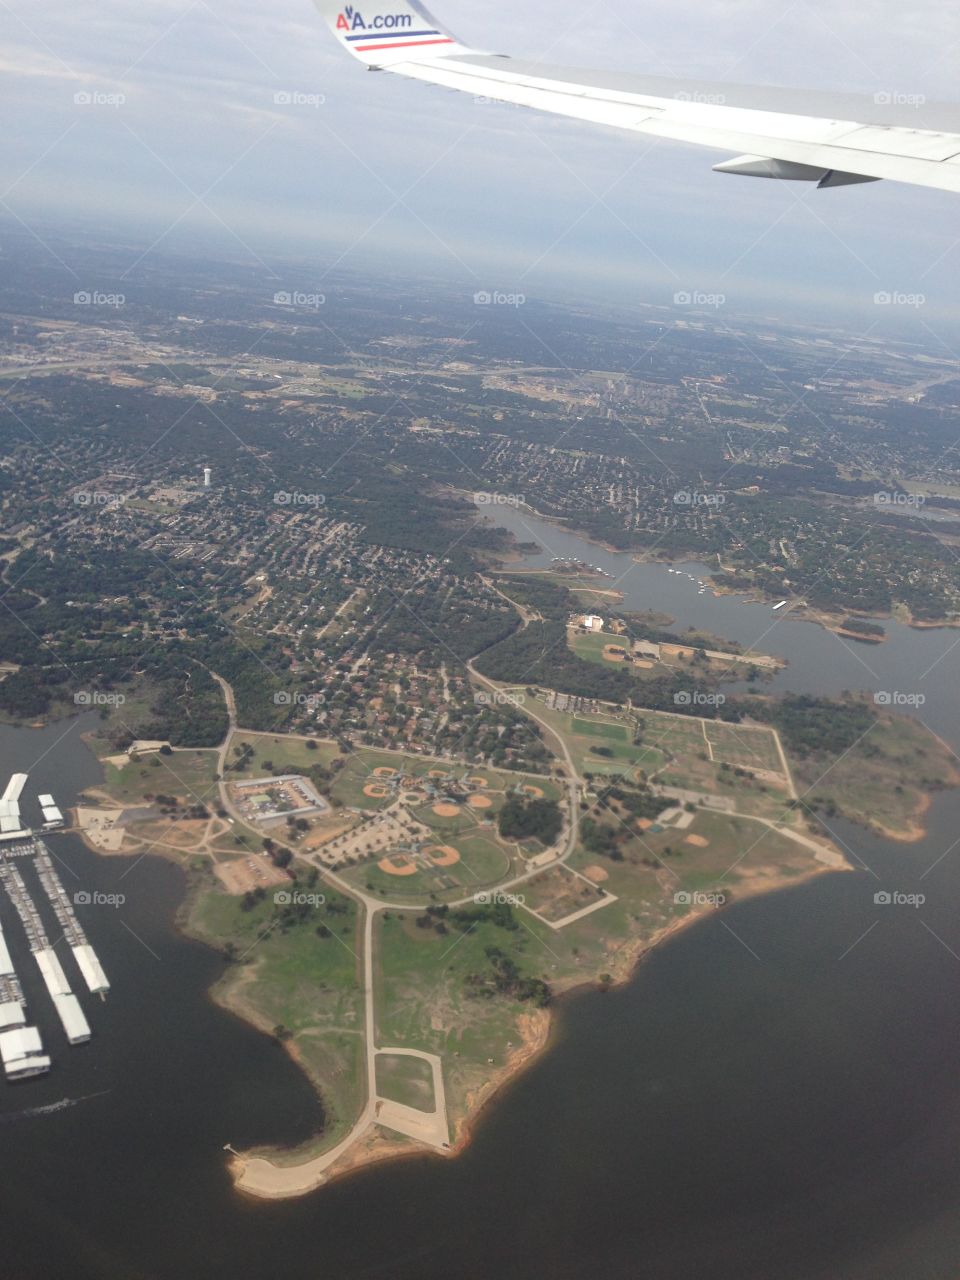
22 1053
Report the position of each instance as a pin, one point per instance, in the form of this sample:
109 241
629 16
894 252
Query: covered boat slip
22 1053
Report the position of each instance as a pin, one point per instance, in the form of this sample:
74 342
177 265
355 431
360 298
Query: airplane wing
832 140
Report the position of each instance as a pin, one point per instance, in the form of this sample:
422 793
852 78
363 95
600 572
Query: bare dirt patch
241 875
397 866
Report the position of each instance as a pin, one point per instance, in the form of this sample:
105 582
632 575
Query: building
592 622
22 1053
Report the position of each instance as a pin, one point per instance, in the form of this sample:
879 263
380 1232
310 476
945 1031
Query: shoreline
822 618
357 1142
536 1030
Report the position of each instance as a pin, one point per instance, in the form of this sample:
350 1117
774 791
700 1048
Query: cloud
382 165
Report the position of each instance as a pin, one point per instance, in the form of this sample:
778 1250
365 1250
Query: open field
455 866
720 853
187 774
294 978
278 751
558 893
594 646
405 1079
886 780
584 733
749 746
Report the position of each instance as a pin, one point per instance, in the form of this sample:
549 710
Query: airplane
794 135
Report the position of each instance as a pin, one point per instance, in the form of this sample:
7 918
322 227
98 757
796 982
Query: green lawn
407 1080
601 729
186 773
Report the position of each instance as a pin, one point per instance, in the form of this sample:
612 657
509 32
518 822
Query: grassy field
600 729
187 774
422 1000
484 862
737 854
300 981
557 893
590 645
886 779
584 732
405 1079
749 746
272 750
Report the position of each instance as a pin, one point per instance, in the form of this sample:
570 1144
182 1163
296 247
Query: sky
184 136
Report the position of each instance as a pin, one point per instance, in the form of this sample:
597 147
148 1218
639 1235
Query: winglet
380 32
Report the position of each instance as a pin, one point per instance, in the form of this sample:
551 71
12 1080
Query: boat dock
52 817
76 939
65 1002
12 1003
21 1050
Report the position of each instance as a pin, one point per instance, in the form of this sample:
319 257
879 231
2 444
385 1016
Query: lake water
775 1095
910 662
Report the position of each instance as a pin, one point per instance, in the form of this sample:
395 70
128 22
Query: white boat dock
21 1049
90 967
84 954
22 1053
64 1001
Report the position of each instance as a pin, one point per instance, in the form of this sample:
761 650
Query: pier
83 953
65 1002
20 1047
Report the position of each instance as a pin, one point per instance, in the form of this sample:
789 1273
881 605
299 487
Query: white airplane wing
775 133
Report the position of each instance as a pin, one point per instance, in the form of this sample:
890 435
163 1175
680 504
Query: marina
21 1049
